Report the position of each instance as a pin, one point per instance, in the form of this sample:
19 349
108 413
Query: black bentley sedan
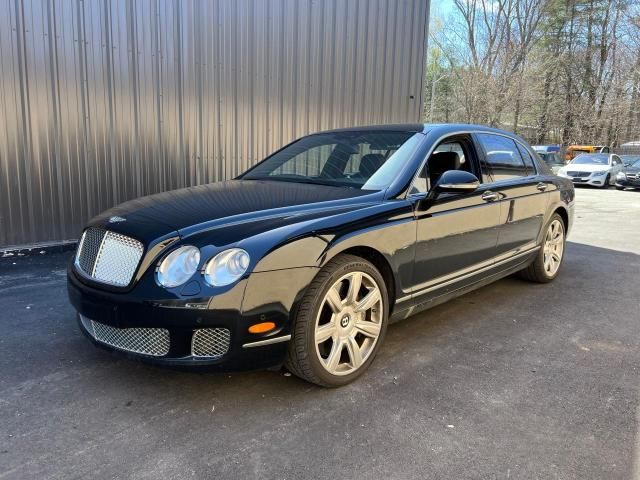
629 176
305 259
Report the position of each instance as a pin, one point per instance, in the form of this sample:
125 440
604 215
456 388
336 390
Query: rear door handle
541 186
490 196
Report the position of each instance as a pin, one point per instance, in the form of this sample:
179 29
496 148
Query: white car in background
595 169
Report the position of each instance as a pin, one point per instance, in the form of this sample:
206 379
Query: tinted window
369 160
503 158
527 159
463 162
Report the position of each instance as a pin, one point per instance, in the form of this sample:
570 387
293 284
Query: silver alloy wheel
348 324
553 247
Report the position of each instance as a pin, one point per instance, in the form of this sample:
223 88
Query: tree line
553 71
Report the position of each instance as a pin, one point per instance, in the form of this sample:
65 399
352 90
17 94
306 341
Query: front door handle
541 186
490 196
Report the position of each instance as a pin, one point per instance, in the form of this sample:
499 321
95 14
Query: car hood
254 204
632 170
586 168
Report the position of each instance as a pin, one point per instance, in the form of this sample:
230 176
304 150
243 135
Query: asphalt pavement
514 380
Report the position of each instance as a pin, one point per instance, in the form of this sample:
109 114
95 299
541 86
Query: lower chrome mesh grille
210 342
108 257
147 341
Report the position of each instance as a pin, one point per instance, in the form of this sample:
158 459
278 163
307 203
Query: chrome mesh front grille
578 174
210 342
147 341
108 257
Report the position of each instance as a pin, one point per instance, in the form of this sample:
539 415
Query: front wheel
607 182
547 263
340 323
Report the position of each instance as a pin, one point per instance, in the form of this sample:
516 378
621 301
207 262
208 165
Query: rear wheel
340 324
547 263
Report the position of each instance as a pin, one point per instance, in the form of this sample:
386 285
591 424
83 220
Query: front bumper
126 315
626 183
593 181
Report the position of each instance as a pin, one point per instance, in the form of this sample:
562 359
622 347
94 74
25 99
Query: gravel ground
511 381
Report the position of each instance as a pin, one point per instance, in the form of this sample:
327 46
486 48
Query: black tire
535 271
302 359
619 188
607 182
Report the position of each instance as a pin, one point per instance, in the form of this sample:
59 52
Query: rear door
509 169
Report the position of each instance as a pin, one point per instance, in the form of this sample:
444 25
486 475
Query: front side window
451 154
368 160
503 159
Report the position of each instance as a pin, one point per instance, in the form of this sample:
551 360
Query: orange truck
573 150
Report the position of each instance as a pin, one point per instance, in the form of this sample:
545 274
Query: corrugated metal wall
103 101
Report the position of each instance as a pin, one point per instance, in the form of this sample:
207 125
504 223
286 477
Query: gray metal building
104 100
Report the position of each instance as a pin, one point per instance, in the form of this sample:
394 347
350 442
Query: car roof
391 127
438 128
546 148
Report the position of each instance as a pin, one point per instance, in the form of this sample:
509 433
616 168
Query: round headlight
621 175
178 266
226 267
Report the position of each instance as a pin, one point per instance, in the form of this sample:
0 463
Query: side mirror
453 181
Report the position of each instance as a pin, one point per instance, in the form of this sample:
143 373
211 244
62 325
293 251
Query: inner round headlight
178 266
226 267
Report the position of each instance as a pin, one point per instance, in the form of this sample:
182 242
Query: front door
456 235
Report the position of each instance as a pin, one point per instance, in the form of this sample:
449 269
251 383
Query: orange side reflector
262 327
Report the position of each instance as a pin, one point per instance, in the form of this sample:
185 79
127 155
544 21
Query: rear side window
503 160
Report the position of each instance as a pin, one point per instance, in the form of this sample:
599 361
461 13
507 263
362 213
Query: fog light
262 327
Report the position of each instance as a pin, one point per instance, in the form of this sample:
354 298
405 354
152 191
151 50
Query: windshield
368 160
633 160
591 159
551 158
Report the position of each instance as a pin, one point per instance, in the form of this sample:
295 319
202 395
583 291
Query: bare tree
553 70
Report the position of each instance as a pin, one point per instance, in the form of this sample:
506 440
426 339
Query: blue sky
441 8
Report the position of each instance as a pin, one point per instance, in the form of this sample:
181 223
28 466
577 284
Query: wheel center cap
344 323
